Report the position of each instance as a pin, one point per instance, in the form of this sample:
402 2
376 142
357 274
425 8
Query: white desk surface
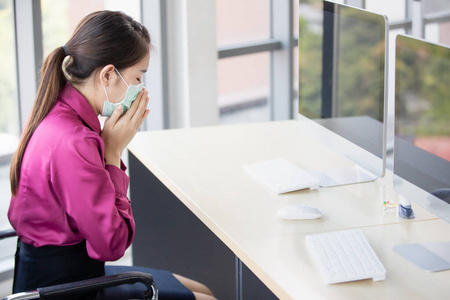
203 168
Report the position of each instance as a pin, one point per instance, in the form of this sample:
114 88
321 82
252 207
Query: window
9 119
59 18
242 21
437 21
243 81
243 88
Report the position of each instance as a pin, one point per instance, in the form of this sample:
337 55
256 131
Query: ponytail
52 82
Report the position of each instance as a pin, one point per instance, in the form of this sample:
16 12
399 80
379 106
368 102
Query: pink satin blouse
67 193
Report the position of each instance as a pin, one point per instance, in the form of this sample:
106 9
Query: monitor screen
343 78
422 114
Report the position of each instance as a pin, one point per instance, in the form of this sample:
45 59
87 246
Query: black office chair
61 291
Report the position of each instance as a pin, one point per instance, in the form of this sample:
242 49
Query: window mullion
29 53
248 48
281 75
154 16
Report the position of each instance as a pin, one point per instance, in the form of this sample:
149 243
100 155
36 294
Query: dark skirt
51 265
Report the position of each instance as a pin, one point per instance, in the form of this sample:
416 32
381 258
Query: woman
69 205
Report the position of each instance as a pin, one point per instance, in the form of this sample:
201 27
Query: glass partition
422 105
343 83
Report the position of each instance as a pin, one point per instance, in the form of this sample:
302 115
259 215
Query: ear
106 74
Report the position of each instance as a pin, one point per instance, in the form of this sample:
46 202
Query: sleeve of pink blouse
94 195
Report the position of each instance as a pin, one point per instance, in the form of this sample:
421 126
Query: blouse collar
73 98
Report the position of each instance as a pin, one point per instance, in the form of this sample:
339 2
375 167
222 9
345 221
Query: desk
202 168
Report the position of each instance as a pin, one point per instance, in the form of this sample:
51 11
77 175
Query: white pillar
282 61
29 52
153 15
418 28
191 63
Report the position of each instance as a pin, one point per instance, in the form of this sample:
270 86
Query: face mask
131 95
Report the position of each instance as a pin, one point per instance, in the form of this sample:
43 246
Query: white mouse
299 212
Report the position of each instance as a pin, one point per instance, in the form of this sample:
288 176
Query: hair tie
65 50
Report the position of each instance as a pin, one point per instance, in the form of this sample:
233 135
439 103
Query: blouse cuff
119 178
122 166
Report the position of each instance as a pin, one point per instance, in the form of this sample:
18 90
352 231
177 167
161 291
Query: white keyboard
345 255
281 176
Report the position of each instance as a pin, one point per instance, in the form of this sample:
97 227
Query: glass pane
60 17
242 21
444 36
341 78
244 88
422 123
9 122
295 54
438 33
295 17
295 84
394 10
434 6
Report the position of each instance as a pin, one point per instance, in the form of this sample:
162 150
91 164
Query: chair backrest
7 233
73 288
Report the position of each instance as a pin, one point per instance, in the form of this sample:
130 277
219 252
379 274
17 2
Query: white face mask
130 96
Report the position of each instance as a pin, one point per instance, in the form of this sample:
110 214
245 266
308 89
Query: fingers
142 111
136 114
115 115
144 116
142 106
137 104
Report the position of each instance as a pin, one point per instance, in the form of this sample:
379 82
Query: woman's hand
119 131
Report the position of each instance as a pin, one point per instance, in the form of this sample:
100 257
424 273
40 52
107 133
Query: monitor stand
432 256
342 176
365 166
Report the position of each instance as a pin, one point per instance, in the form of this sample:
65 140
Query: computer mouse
299 212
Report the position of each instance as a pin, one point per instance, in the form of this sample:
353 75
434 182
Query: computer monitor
343 86
422 120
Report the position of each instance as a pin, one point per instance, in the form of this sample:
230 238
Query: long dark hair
101 38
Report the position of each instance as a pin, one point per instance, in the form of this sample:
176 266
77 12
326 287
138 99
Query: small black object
405 212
